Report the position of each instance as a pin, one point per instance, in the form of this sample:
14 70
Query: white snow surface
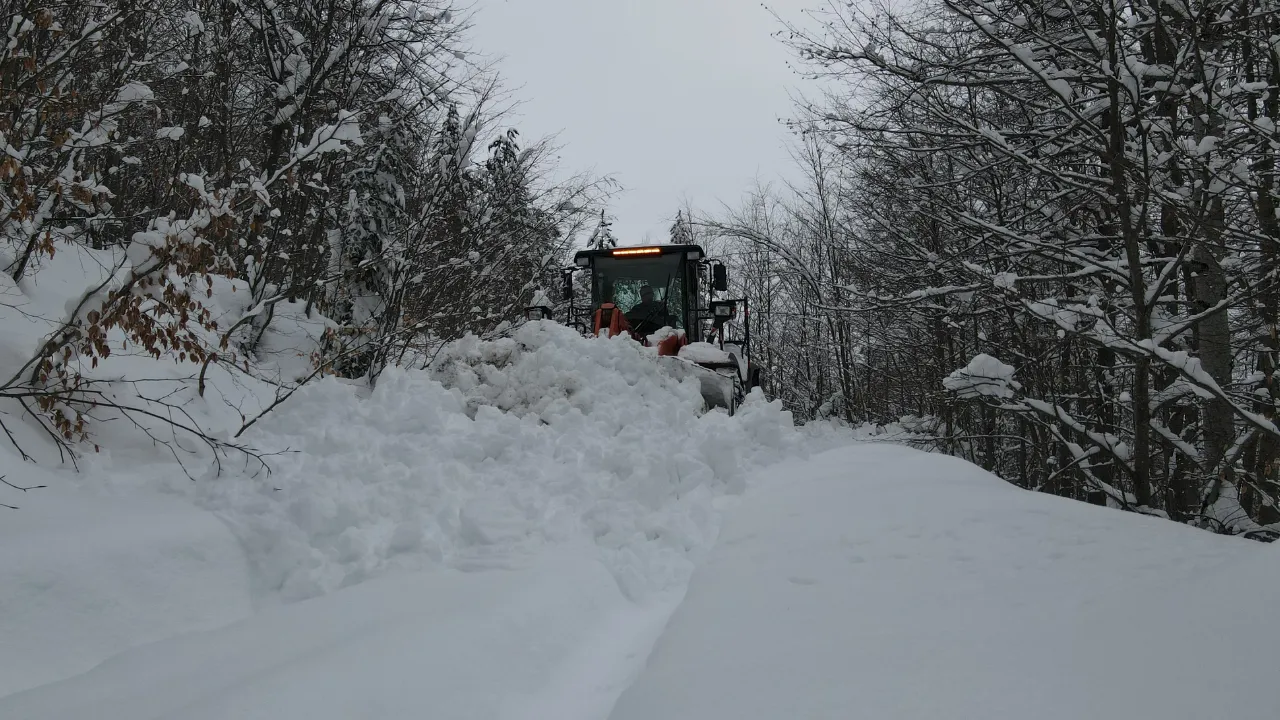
506 534
86 575
869 581
882 582
983 376
542 438
500 456
550 640
701 352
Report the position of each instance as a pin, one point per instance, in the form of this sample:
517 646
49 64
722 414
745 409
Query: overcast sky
674 98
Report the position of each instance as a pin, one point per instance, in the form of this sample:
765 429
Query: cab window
621 280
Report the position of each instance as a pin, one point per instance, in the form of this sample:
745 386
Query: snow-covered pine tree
681 232
602 237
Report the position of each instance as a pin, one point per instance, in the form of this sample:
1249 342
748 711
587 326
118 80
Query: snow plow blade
718 381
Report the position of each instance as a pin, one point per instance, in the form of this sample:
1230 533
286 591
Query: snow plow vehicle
665 297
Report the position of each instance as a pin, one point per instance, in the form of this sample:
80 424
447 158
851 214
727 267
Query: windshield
649 290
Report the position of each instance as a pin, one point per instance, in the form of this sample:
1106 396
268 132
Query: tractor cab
663 296
652 287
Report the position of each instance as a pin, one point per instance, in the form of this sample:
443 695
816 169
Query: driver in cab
648 312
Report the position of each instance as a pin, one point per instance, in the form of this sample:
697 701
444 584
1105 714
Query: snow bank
85 576
882 582
501 454
502 448
44 300
98 561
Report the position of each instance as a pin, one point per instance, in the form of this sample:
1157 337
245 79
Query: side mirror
566 286
719 278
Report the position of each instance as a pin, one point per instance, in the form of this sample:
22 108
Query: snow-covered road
502 536
868 581
509 534
552 639
84 576
885 583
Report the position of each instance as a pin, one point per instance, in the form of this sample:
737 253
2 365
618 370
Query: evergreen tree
602 237
681 230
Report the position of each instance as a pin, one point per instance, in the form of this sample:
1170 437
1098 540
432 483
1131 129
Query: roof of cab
639 251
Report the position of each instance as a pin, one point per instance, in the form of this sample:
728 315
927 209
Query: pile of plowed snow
501 447
499 450
551 371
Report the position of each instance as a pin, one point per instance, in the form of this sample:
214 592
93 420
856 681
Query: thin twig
19 487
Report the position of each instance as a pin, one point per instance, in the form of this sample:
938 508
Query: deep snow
503 448
552 640
868 581
499 456
506 534
85 575
882 582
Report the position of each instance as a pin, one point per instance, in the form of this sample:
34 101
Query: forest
1041 233
1041 236
349 155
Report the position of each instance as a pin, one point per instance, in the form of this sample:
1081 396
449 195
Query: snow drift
505 533
500 452
502 447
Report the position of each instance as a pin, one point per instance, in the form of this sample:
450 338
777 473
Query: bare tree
1085 192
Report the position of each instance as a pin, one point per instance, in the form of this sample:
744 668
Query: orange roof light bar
638 251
